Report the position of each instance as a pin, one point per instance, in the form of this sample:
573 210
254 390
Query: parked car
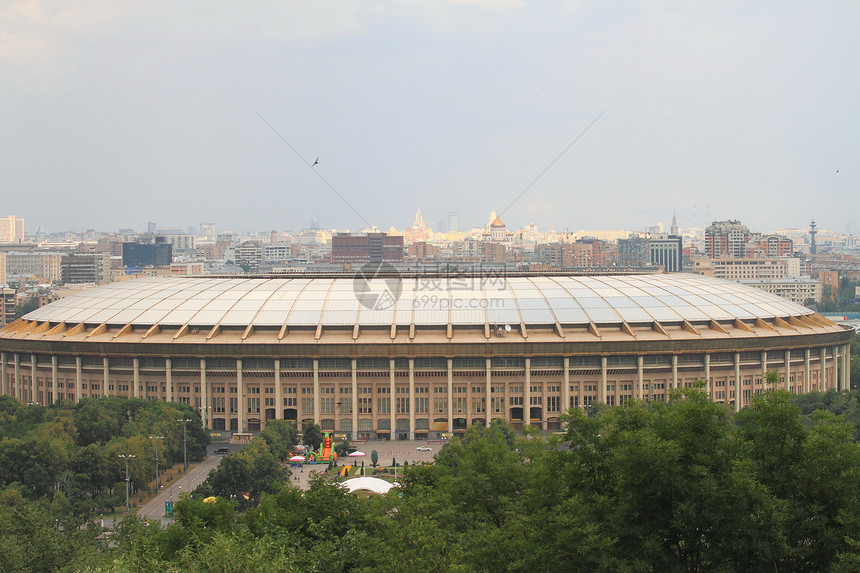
424 449
222 451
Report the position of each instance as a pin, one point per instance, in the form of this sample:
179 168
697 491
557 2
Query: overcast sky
119 113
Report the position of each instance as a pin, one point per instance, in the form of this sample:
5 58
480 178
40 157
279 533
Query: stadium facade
416 357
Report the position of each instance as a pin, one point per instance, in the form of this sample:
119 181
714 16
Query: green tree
281 436
771 379
374 458
342 449
203 519
312 435
95 423
30 304
812 472
246 475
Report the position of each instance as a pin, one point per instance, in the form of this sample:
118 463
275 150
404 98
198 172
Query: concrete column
4 383
565 389
393 413
675 371
738 392
354 399
787 360
33 380
450 396
764 371
412 393
136 378
836 381
317 389
54 385
835 378
846 382
204 396
601 395
16 378
846 366
279 396
337 406
807 383
168 381
79 378
822 363
640 377
708 375
240 393
527 401
489 401
106 375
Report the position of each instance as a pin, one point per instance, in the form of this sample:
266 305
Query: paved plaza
396 450
388 451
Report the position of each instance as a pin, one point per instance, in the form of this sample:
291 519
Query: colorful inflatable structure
325 454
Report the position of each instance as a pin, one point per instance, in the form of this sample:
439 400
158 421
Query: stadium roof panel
422 301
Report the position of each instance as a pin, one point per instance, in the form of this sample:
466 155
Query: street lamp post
184 442
126 457
156 438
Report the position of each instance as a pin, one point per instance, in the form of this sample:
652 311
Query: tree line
67 454
686 485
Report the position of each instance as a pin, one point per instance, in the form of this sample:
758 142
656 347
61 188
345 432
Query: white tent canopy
371 484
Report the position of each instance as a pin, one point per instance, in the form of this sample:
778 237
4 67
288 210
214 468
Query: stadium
416 356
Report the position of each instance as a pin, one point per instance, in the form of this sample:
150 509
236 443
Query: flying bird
316 162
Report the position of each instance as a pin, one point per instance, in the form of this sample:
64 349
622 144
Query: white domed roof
419 301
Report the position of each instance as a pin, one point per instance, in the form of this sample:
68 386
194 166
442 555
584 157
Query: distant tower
673 230
418 221
812 232
453 218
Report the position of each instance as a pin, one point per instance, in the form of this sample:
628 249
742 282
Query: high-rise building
726 239
207 230
249 255
666 251
85 268
633 251
769 246
11 229
27 265
369 248
550 254
140 255
7 305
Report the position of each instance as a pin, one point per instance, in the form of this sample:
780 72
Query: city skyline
437 230
564 111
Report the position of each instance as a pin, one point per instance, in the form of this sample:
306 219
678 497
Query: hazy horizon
119 114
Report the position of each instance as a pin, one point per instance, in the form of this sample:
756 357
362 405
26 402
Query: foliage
685 485
281 436
72 449
32 538
839 300
30 304
374 458
312 435
342 449
244 476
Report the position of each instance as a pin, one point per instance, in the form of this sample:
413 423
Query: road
388 451
197 473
